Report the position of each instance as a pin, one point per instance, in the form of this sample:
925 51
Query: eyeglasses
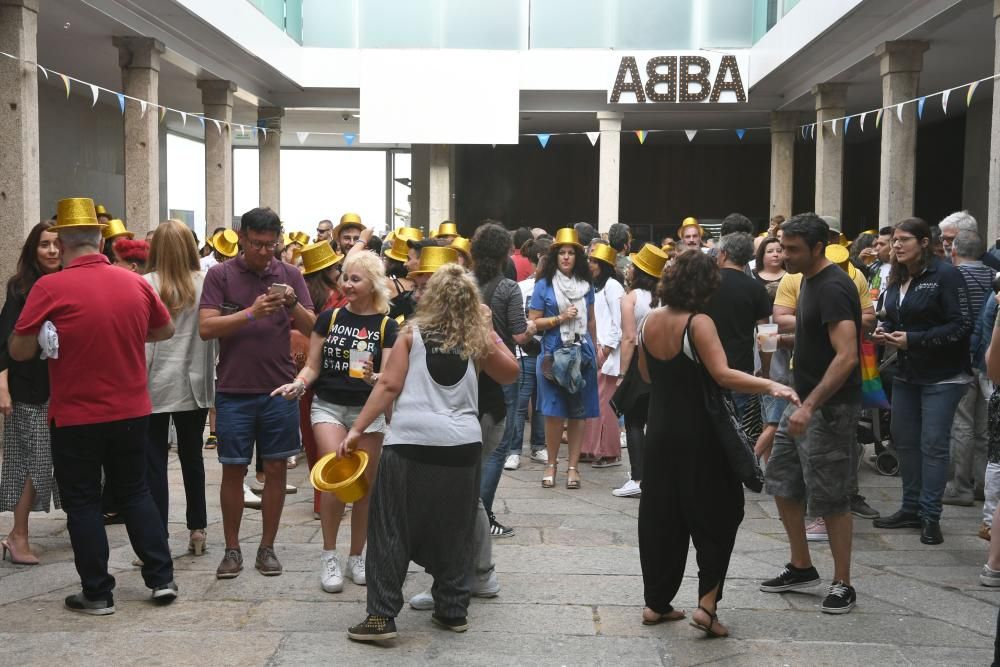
262 245
902 239
323 230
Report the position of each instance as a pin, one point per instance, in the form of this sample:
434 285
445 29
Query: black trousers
190 426
635 434
78 453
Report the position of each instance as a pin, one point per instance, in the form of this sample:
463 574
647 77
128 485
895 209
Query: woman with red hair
131 255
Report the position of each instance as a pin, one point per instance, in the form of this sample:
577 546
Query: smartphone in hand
277 289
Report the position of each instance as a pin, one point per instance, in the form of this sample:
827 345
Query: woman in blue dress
562 306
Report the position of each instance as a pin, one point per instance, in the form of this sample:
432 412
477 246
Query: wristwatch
295 302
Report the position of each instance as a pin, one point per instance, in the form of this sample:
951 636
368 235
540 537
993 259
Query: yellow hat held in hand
650 260
114 229
343 476
433 258
567 236
75 213
226 243
318 256
447 228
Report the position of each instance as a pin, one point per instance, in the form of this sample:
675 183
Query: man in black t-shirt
738 306
810 465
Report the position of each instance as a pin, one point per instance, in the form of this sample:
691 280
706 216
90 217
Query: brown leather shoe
984 532
267 563
231 565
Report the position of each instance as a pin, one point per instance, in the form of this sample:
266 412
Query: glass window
330 23
568 24
655 24
246 180
273 10
726 24
186 178
293 19
481 24
401 190
399 24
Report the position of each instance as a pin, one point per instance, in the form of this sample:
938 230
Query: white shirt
208 261
527 289
608 316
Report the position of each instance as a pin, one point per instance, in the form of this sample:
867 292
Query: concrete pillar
139 58
782 162
217 98
269 156
420 167
993 204
831 102
19 170
440 198
900 63
609 175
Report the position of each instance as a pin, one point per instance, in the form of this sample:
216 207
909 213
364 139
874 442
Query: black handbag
727 426
632 388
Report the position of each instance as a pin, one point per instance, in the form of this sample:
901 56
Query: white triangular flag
217 126
94 92
690 134
833 125
944 100
593 136
863 116
142 108
44 71
302 136
184 118
899 111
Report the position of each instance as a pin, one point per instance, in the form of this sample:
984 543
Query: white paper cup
767 337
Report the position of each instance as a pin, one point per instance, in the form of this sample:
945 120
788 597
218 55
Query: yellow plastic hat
408 233
100 210
399 250
689 222
75 213
433 258
114 229
226 243
343 476
604 253
567 236
348 220
462 245
447 228
650 260
318 256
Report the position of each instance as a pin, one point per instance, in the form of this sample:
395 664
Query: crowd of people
433 356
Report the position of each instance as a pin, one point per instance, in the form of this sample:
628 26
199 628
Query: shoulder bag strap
690 338
381 335
333 318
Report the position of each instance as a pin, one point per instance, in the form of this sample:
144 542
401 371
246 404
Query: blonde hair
369 265
451 314
173 255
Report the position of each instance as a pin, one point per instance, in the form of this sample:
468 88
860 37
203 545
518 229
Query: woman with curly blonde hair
348 348
425 500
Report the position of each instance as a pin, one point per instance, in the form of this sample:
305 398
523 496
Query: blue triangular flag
201 119
254 128
847 123
349 138
121 102
543 139
920 107
740 133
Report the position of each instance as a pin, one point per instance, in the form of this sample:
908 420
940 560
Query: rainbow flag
872 393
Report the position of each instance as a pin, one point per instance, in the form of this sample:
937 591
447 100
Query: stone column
269 156
19 166
782 161
900 63
993 204
139 58
217 98
609 175
831 102
440 196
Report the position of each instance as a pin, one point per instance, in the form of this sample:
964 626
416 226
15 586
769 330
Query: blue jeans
493 459
517 395
922 416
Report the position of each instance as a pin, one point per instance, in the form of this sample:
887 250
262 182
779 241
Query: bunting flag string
543 139
142 108
690 134
878 118
972 89
847 123
920 107
944 100
44 71
349 138
899 112
862 121
93 91
740 133
593 136
642 134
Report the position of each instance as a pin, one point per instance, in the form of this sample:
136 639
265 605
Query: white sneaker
331 577
250 499
355 569
816 531
628 489
422 601
541 456
256 485
513 462
489 588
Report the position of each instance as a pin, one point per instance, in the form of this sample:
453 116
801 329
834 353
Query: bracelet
250 316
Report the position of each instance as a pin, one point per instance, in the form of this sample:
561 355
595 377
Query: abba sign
691 76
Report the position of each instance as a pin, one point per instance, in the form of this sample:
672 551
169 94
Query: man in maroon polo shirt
99 406
250 304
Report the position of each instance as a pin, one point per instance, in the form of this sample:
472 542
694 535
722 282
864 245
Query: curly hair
491 246
689 282
368 264
450 313
132 251
581 268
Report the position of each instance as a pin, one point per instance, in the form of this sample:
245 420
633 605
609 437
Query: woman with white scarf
562 306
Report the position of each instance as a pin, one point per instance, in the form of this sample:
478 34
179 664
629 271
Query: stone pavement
571 594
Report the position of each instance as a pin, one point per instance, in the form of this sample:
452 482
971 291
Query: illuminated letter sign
699 76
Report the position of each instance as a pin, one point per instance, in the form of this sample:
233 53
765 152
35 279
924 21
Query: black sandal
707 629
664 618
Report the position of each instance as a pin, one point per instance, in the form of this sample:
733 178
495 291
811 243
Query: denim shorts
771 409
323 412
816 468
243 419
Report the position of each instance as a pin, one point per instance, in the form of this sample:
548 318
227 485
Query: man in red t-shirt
522 265
99 406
